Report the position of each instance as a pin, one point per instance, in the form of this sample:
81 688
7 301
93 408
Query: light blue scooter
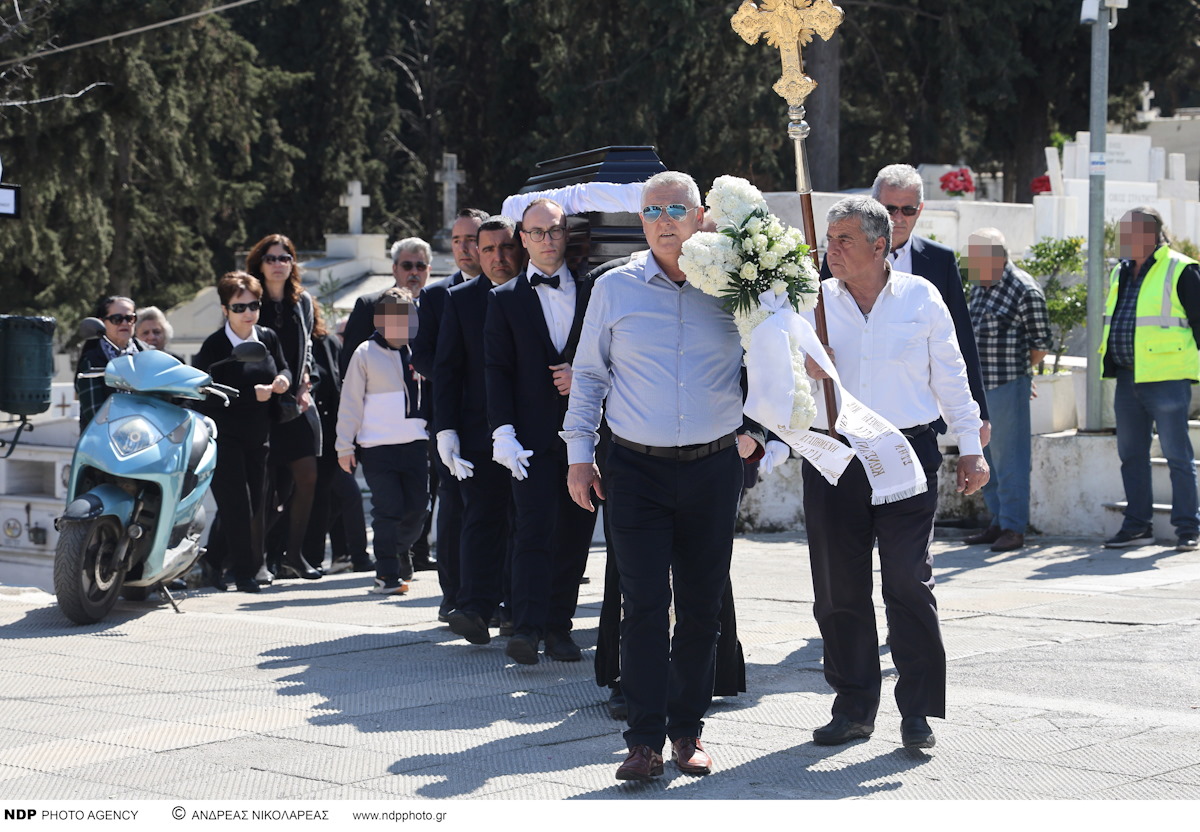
142 466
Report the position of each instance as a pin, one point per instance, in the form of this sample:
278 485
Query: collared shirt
235 339
901 359
901 258
558 305
667 357
1010 319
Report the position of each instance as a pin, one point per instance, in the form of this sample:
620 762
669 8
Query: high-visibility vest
1164 348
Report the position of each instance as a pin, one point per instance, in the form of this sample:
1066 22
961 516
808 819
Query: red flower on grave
1040 185
957 182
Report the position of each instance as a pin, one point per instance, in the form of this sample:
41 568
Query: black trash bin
26 364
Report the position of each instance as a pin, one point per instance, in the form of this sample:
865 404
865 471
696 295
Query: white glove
449 451
774 454
508 451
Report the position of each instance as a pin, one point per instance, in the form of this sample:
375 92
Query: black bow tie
537 278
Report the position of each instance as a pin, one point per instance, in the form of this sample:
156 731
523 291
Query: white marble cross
355 201
450 177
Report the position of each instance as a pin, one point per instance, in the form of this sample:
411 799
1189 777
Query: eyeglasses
277 258
555 233
239 308
675 211
410 265
906 210
117 320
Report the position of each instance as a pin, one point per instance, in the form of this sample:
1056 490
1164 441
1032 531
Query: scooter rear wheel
87 578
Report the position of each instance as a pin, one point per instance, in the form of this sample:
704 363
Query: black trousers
398 476
843 528
239 487
449 530
672 526
483 545
550 549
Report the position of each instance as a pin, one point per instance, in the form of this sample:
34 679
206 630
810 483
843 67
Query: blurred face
499 255
150 331
464 244
397 322
242 312
1139 237
851 256
277 265
118 322
985 261
411 270
547 222
898 201
666 235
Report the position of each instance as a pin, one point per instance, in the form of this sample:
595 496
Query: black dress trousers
843 528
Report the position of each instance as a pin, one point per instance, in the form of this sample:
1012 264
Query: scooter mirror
91 328
249 351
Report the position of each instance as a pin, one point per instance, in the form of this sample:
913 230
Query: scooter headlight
132 435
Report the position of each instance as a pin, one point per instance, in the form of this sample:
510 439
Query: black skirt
296 439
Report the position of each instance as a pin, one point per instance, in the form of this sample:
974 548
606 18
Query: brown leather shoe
1008 541
643 763
989 535
689 756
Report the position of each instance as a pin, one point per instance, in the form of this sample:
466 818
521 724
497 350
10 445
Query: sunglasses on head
117 320
906 210
410 265
675 211
239 308
277 258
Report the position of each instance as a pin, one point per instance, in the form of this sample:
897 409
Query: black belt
684 453
911 433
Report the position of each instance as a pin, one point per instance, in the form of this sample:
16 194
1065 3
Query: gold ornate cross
789 25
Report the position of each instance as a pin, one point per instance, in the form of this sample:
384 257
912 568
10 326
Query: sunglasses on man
239 308
412 265
906 210
675 211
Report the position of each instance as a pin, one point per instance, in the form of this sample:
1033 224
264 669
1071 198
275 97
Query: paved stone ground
1073 674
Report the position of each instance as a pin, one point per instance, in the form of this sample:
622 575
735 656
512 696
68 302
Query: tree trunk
823 64
119 271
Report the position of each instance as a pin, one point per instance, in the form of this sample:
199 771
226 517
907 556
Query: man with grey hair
1012 329
411 259
668 360
900 189
892 340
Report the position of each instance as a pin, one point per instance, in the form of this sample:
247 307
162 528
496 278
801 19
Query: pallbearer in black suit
431 303
464 439
532 329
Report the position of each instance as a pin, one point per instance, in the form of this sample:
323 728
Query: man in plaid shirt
1012 328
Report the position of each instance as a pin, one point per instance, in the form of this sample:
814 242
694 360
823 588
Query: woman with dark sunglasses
119 317
296 435
240 481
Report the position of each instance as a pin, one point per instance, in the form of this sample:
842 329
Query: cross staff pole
789 25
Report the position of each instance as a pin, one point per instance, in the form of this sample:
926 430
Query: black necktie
537 278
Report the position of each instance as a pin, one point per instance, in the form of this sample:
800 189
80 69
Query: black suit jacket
519 351
359 327
430 305
460 395
937 264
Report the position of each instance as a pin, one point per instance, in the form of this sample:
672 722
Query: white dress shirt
558 305
901 258
901 359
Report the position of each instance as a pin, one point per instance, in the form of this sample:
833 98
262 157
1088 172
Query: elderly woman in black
119 317
296 437
239 482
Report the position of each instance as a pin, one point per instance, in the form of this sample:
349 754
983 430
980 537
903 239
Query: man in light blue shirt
668 359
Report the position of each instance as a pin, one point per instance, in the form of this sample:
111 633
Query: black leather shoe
989 535
469 625
298 568
522 648
250 585
841 729
618 708
562 648
916 733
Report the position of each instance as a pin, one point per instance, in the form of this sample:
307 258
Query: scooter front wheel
87 575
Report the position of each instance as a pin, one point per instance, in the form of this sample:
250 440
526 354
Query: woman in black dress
119 317
239 481
296 437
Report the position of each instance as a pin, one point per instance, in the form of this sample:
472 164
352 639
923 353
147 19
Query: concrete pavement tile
1120 758
782 711
248 720
1044 780
55 787
51 755
164 736
982 599
1017 744
1189 776
81 724
287 697
1156 789
949 790
1117 609
151 771
249 783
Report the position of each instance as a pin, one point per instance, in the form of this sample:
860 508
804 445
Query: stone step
1160 479
1193 434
